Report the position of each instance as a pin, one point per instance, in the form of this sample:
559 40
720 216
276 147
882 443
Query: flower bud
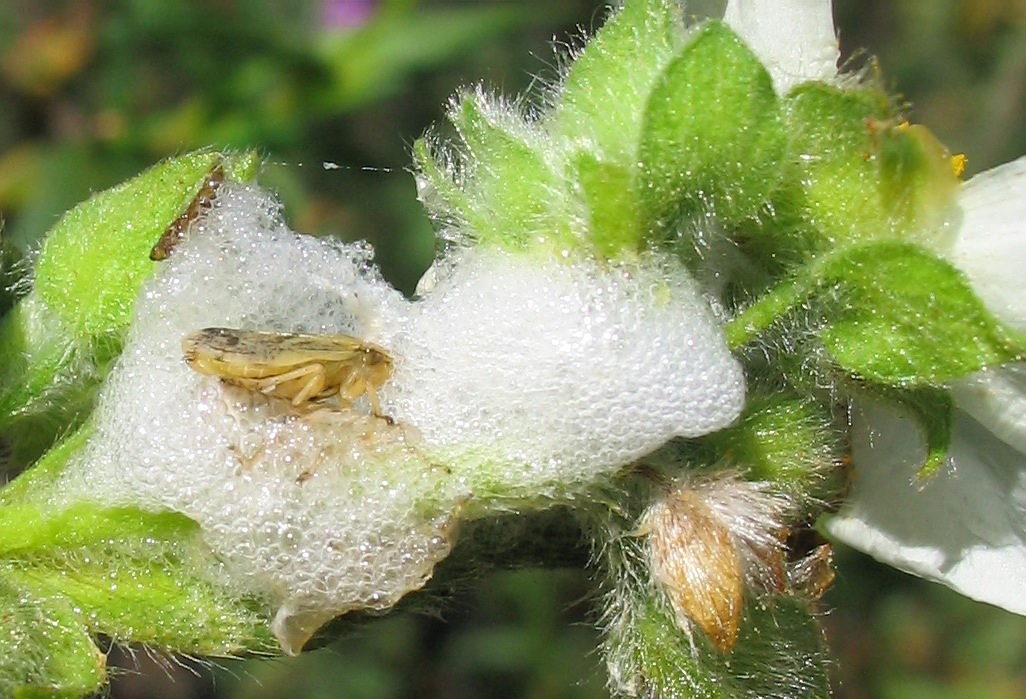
709 539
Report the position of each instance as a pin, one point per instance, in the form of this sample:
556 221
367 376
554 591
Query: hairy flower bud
710 538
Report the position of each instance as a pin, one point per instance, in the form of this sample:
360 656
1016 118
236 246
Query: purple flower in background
346 14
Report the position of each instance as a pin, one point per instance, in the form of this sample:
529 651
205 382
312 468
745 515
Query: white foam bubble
298 510
514 378
561 372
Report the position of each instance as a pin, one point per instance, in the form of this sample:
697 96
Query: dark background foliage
333 93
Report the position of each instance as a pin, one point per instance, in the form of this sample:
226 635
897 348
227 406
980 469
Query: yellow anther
958 161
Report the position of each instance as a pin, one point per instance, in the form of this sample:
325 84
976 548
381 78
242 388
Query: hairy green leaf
712 138
863 173
783 439
45 649
779 653
904 317
58 342
514 197
602 101
612 206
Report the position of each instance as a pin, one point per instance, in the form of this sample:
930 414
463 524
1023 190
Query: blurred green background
94 91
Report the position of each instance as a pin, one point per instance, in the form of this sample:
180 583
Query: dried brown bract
710 540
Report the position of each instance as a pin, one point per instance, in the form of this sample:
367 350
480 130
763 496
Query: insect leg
313 386
357 386
372 396
271 384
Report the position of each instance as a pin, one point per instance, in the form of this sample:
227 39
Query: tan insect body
297 367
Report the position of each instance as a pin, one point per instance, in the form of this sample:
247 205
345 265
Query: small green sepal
863 172
787 440
601 103
780 652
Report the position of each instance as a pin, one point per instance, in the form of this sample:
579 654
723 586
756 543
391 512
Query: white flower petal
997 398
794 39
991 243
963 528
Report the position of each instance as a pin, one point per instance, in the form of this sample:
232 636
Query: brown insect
202 202
300 368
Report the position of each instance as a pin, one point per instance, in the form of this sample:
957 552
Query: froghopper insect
203 201
301 368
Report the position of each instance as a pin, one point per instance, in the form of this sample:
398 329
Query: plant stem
750 322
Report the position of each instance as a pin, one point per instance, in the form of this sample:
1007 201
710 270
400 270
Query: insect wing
296 349
229 352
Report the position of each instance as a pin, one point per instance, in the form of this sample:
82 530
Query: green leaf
712 138
779 653
890 313
784 439
443 198
602 101
611 204
832 157
130 575
154 605
48 380
134 576
28 529
918 182
45 649
770 308
94 260
935 411
513 194
666 665
904 317
57 343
